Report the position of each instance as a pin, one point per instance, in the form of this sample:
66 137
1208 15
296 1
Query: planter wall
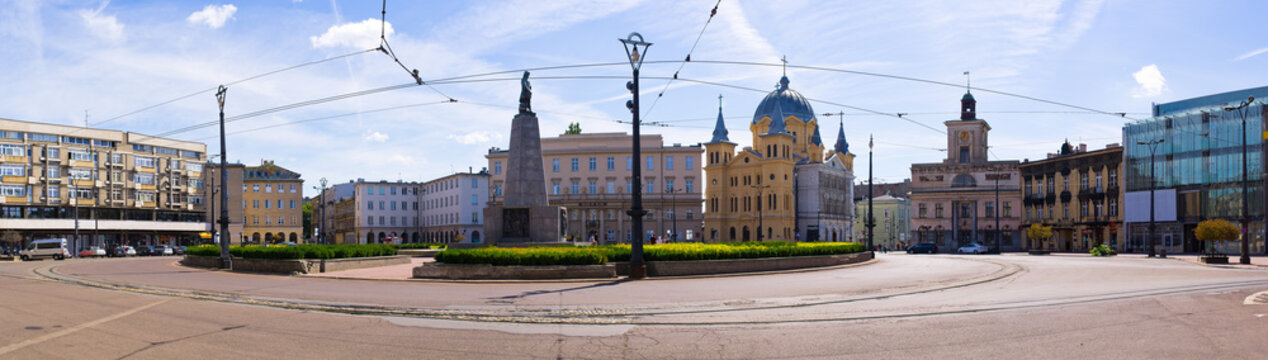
490 272
707 267
302 266
419 252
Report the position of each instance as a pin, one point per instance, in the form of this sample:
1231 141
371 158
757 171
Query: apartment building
453 207
115 187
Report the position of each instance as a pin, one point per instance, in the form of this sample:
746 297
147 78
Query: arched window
963 180
369 238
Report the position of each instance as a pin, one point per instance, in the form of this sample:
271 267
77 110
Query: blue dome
789 101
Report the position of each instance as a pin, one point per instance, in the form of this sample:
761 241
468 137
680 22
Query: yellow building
270 208
750 194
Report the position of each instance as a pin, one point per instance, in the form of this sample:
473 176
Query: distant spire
816 139
719 130
841 145
968 83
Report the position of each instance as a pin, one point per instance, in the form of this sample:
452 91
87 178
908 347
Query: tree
1039 232
1210 231
573 128
308 220
11 238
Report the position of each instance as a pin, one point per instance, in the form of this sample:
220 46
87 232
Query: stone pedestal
525 215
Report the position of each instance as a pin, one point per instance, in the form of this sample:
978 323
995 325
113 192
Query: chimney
1082 147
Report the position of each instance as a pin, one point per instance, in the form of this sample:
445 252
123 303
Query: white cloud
1151 82
474 137
213 16
402 159
103 26
376 137
1251 54
361 35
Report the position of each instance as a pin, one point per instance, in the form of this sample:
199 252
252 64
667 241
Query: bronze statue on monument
526 95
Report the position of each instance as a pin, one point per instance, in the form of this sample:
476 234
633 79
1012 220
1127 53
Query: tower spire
719 129
968 82
841 146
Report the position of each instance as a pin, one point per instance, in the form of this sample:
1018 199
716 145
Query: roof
786 101
1227 98
719 129
268 171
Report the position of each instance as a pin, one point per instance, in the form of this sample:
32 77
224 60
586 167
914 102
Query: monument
525 215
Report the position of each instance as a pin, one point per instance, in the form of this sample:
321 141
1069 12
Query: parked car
95 251
928 248
973 248
164 250
146 251
178 250
123 251
49 248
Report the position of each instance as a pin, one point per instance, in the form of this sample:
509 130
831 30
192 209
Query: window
990 209
393 205
266 204
80 155
1008 209
611 187
12 170
1099 188
497 167
629 187
268 220
1083 181
56 172
963 180
51 153
923 211
255 187
691 186
10 135
669 163
143 161
13 190
629 163
292 188
41 137
1113 206
145 196
576 187
393 191
1065 211
594 164
393 220
1065 183
1083 209
475 217
369 205
554 165
554 188
651 163
382 190
964 154
12 150
53 192
86 174
651 186
475 200
611 163
140 178
687 163
937 211
497 190
594 187
475 184
1099 207
669 186
369 220
575 163
382 206
1113 177
269 188
279 204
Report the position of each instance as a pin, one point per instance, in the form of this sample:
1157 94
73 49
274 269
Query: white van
50 248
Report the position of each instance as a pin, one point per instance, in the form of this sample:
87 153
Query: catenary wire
682 64
363 112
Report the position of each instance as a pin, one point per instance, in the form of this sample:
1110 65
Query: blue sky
62 58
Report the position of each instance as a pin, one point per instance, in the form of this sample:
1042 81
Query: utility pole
1153 183
638 269
870 222
998 240
1245 258
759 188
226 262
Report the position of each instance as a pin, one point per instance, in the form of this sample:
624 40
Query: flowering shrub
595 255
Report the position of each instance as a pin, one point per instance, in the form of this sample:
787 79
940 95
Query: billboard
1136 206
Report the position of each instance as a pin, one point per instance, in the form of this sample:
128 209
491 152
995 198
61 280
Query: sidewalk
1257 262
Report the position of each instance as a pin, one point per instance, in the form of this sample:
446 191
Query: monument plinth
525 215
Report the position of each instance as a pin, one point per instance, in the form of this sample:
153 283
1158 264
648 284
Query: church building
781 188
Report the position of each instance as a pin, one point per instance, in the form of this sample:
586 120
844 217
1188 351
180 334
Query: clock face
964 136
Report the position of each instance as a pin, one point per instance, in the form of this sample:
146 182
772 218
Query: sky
67 61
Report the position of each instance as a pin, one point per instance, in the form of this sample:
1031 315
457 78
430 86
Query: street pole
1245 258
1153 183
998 234
226 262
759 188
638 269
321 232
870 222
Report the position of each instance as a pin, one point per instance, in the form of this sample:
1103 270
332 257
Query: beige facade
955 201
1078 193
129 188
590 175
269 208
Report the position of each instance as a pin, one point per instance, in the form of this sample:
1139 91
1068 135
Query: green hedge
592 255
297 252
420 246
537 256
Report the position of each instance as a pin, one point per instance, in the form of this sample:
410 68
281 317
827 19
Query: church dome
788 101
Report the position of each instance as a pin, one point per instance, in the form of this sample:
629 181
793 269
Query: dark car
928 248
179 250
147 251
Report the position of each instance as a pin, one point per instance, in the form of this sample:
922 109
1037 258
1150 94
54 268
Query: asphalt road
899 307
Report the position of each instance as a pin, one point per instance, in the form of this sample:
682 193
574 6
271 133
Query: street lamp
870 222
638 269
212 200
225 261
1241 108
673 206
1153 182
998 240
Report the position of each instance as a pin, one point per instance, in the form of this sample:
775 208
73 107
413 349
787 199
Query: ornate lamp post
225 261
638 269
1153 182
870 222
998 234
1245 259
759 188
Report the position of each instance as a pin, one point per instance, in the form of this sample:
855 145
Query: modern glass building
1198 166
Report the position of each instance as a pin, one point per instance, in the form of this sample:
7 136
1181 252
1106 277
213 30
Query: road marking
54 335
1258 298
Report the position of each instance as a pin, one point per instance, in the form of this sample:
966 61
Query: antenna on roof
968 82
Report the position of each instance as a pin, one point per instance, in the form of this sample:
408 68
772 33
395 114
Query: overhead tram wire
684 62
386 49
363 112
239 81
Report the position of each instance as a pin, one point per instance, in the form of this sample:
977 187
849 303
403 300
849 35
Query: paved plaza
898 306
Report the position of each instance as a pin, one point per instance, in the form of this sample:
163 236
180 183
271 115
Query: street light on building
1241 108
759 208
638 269
1153 182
